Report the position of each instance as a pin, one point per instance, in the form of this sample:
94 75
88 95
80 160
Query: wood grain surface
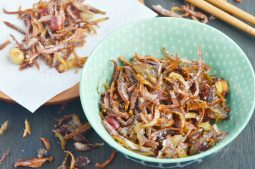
238 155
68 95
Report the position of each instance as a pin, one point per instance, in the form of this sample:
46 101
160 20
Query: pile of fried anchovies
67 128
54 29
167 108
184 11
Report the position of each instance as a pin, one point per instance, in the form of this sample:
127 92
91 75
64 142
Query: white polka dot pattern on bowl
181 37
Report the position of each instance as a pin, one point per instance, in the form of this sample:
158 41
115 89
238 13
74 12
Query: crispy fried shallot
85 147
75 163
4 44
27 130
186 11
82 161
33 163
14 27
46 143
72 163
164 12
107 162
70 127
76 132
166 108
4 127
61 138
41 152
4 156
53 29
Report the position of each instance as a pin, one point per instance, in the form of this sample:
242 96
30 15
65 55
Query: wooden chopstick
226 6
222 15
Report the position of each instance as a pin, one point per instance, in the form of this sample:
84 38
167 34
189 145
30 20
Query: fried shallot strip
4 44
15 27
27 130
76 132
107 162
4 156
46 143
33 163
4 127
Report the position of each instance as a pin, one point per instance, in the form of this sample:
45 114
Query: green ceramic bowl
182 37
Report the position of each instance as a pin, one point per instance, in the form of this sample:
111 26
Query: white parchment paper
32 88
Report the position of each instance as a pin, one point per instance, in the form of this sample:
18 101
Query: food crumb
4 44
41 152
4 127
107 162
62 108
33 163
46 143
27 130
82 161
4 156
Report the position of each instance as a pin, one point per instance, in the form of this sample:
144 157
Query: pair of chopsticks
225 11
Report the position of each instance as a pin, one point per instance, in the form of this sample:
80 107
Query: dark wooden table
239 155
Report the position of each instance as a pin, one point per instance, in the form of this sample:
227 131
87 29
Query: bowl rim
135 155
